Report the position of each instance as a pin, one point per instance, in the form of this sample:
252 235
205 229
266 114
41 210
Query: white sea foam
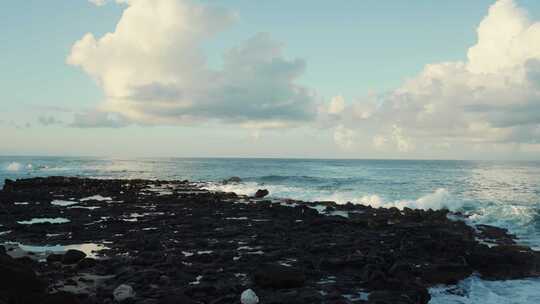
14 166
504 215
475 290
248 188
439 199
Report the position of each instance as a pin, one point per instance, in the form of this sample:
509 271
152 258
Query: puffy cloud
505 39
153 71
491 98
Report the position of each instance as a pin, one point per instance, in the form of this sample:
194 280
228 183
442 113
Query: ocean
505 194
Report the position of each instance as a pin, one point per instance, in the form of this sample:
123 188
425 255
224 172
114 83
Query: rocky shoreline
153 242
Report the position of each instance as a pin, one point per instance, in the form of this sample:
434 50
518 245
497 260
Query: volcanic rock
73 256
261 193
277 276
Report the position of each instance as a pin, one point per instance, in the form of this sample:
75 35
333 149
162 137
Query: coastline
174 241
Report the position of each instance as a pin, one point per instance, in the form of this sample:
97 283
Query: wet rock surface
174 242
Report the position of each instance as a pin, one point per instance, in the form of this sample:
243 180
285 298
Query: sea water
505 194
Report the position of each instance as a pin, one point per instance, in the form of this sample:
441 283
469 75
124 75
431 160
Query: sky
241 78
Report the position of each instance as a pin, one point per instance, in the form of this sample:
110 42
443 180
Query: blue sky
359 50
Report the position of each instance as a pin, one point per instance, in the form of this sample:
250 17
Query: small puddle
17 250
43 220
84 207
63 203
96 197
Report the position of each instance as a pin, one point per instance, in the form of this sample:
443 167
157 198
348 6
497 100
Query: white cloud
505 39
491 98
153 70
98 2
403 143
337 105
379 142
344 137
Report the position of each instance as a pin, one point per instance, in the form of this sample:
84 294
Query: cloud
153 71
402 142
337 105
15 124
98 119
379 142
493 97
48 120
344 137
98 2
103 2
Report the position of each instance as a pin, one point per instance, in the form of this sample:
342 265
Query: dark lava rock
261 193
61 297
495 234
54 257
232 180
277 276
86 263
73 256
175 242
399 297
176 298
505 262
18 283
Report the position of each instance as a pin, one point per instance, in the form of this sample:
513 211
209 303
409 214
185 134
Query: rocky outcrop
174 242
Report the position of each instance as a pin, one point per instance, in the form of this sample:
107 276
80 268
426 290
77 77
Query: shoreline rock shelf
174 242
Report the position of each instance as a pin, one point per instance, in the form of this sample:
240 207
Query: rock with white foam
123 292
249 297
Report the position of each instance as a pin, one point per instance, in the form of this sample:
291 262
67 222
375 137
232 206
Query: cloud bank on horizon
153 71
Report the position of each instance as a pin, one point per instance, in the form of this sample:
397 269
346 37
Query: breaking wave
475 290
14 166
439 199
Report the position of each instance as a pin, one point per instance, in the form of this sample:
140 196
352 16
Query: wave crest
14 166
439 199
